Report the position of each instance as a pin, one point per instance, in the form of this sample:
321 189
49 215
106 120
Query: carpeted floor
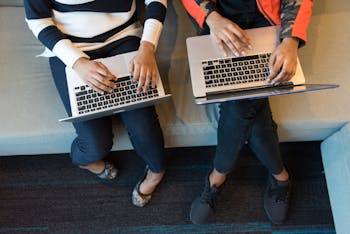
46 194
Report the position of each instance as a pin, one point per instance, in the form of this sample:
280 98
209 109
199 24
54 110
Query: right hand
229 36
95 74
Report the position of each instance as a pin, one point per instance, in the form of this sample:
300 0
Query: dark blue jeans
95 138
247 121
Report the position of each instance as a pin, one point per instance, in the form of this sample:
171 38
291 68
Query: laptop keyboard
242 71
88 100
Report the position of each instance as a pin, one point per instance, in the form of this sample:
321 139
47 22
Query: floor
46 194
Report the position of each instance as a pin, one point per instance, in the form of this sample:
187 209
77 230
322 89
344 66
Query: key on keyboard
88 100
236 70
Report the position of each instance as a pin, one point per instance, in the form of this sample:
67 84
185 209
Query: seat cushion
336 161
11 3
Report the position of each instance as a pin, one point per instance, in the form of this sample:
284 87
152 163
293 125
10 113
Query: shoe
276 199
203 207
139 199
109 172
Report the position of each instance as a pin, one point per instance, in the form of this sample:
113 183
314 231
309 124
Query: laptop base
261 93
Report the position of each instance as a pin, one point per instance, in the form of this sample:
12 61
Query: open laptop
216 78
88 104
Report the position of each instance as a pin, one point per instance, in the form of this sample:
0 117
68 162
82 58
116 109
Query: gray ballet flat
109 172
139 199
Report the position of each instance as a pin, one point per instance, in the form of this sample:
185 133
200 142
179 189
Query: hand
283 61
95 74
229 36
143 67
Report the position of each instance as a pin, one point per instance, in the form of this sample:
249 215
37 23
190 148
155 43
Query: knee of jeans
90 149
240 109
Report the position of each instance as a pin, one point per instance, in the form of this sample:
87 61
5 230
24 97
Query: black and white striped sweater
67 28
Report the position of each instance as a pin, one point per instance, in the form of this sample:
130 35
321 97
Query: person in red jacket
250 121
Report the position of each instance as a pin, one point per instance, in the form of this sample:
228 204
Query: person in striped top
250 121
74 33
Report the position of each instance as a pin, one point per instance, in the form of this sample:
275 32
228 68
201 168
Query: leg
145 134
264 139
94 138
147 138
235 124
236 119
264 142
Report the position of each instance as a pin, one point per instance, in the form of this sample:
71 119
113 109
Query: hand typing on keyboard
143 67
95 74
229 36
283 61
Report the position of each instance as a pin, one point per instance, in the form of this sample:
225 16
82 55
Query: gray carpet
46 194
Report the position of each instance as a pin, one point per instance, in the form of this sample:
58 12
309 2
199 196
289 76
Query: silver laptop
216 78
88 104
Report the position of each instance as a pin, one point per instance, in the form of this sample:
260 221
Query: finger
274 71
131 66
287 73
147 82
154 78
241 35
221 45
100 68
97 86
142 79
103 83
109 75
272 61
136 72
233 44
279 78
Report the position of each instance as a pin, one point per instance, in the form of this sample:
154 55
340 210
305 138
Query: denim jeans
251 121
247 121
95 138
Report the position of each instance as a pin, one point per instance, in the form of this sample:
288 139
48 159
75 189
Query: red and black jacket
293 15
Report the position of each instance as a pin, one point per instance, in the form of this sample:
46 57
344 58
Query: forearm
295 18
155 16
38 18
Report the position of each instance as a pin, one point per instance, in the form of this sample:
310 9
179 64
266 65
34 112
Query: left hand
283 61
143 67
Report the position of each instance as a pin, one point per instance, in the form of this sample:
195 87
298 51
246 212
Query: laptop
88 104
216 78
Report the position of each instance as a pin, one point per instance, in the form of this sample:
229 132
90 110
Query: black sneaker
203 207
276 199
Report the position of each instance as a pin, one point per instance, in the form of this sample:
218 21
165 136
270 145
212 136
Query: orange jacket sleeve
199 9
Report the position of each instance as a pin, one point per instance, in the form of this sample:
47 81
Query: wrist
292 41
148 46
212 17
79 61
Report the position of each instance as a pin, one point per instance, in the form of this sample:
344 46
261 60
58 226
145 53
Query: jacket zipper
264 13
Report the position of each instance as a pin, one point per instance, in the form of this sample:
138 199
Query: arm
199 9
295 17
143 66
39 19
